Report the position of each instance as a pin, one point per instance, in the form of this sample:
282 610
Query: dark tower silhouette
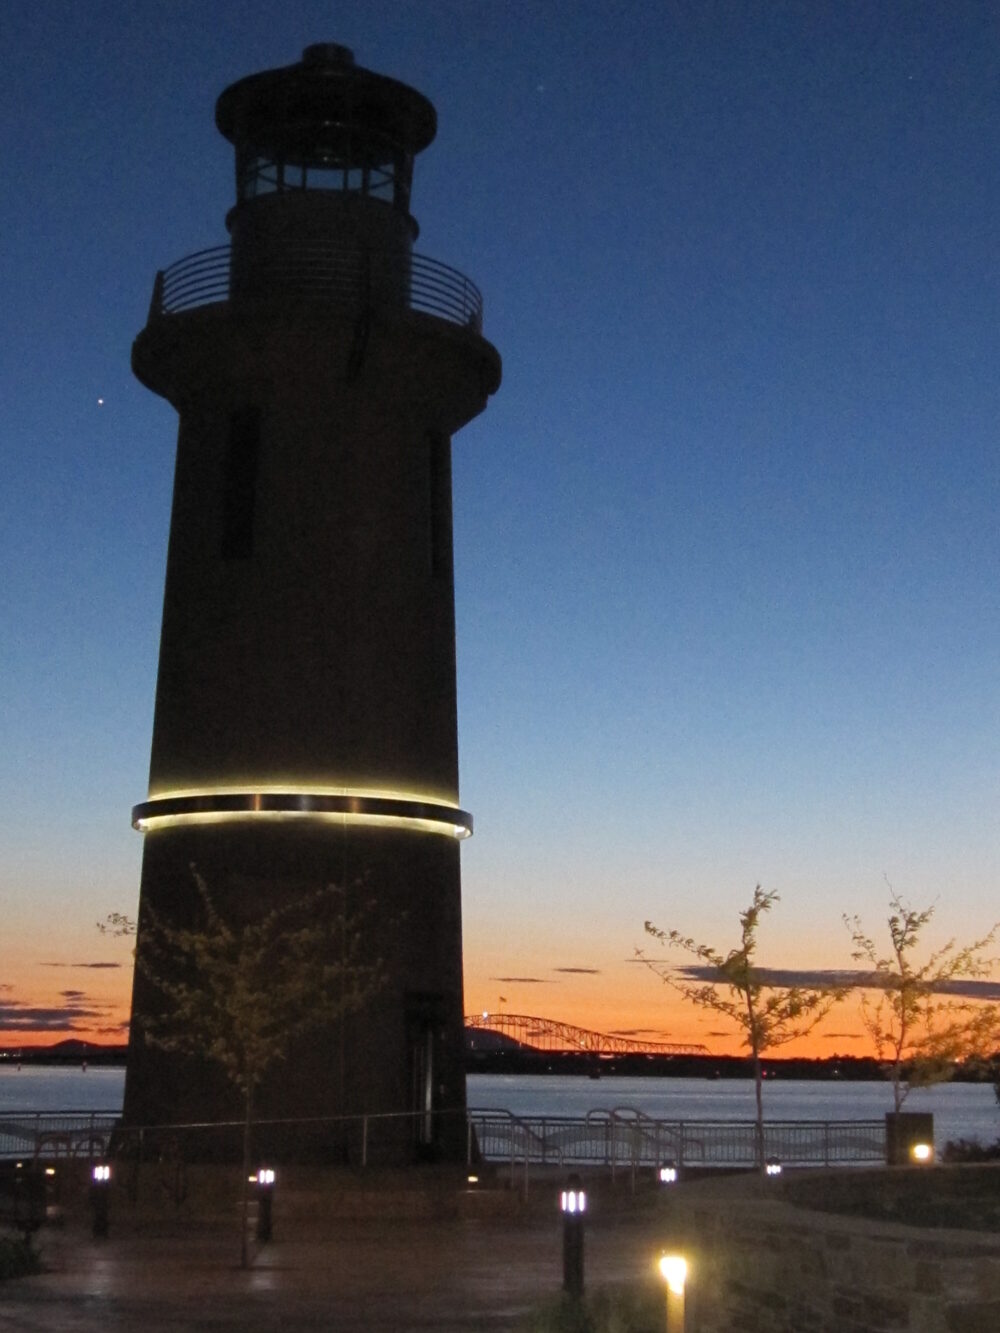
305 726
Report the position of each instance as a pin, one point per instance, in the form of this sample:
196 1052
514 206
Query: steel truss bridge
547 1034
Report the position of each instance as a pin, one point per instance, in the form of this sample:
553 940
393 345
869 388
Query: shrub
968 1150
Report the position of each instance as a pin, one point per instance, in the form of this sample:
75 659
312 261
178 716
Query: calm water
60 1088
961 1110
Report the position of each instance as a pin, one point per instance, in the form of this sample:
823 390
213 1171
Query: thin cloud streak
821 978
95 966
525 981
16 1016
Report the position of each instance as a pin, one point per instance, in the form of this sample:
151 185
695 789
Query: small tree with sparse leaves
240 995
918 1025
766 1014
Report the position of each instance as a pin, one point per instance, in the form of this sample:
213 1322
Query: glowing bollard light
922 1154
667 1174
264 1181
573 1206
100 1198
772 1167
673 1270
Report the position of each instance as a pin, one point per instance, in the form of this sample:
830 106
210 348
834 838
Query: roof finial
327 53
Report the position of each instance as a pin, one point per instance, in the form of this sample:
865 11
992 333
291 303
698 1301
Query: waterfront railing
617 1139
625 1138
56 1134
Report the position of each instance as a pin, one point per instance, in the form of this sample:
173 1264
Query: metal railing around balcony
315 271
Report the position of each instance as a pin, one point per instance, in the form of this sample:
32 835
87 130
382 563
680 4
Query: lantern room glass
371 169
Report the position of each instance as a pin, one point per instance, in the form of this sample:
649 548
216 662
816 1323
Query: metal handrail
322 272
591 1140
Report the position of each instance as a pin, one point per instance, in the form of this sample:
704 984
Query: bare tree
766 1013
913 1011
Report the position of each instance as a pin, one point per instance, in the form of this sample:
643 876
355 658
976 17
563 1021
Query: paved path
450 1277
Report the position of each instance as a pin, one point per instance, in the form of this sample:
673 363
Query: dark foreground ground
456 1276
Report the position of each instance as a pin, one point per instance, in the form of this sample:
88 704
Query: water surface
961 1110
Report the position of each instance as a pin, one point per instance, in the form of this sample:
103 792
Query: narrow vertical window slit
440 486
239 485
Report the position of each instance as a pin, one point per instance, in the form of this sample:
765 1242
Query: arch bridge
548 1034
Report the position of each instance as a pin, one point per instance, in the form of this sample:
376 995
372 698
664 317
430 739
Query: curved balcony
314 271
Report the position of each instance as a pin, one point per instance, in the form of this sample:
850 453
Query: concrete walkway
456 1276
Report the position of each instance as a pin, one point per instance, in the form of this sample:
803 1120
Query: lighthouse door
424 1028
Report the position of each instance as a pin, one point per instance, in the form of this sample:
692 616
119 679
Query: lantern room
325 124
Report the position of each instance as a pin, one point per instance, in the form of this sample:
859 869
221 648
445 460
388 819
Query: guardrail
316 271
613 1139
56 1134
629 1138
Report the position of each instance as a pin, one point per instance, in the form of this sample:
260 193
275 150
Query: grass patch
637 1308
17 1257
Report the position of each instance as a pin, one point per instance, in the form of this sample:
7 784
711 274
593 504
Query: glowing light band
213 807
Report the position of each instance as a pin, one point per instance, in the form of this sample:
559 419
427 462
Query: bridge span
548 1034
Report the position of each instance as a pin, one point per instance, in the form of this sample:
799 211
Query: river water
961 1110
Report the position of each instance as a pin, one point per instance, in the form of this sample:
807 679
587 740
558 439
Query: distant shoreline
525 1061
64 1053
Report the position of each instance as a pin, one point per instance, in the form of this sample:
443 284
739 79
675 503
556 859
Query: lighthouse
305 729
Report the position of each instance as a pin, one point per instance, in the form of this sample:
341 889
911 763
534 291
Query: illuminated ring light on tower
209 807
305 723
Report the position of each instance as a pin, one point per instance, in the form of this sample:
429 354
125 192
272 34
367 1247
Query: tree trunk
758 1080
245 1197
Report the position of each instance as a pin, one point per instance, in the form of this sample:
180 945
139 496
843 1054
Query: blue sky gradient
726 539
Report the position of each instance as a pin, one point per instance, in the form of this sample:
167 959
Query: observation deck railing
316 271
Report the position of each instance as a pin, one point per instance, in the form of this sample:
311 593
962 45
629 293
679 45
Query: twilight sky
726 539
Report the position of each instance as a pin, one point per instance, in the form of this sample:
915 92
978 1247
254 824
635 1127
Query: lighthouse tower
305 725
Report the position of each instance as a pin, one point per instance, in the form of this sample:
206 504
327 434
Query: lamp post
264 1181
573 1206
673 1270
100 1198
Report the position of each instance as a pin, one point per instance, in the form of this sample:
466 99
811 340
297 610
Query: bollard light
921 1153
573 1206
772 1167
265 1198
100 1198
667 1174
573 1201
674 1270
